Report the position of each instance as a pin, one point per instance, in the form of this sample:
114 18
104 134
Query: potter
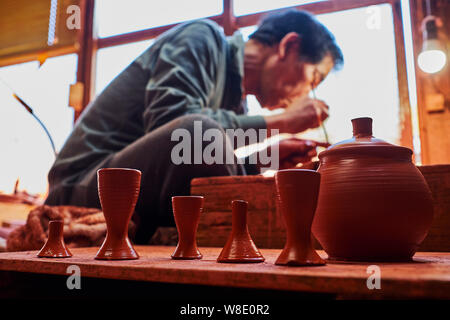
143 118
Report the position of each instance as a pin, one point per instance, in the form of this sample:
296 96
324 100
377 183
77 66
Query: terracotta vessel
374 204
297 192
118 189
186 211
55 246
240 247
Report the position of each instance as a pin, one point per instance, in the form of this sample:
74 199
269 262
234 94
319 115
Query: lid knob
362 127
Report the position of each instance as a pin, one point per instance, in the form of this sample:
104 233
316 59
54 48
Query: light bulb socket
430 33
429 28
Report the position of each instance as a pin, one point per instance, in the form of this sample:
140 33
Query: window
26 152
112 60
117 16
367 84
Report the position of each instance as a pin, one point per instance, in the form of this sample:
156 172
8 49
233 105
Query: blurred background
57 55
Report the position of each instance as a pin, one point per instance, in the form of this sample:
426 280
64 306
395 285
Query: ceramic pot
55 247
186 211
240 247
374 204
118 189
297 192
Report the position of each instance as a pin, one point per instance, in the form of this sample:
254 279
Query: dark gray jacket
192 68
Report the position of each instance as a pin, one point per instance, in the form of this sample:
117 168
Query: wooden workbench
427 277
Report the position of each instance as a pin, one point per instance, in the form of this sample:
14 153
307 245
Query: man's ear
291 41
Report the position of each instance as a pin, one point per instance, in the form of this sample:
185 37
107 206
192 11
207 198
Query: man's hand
300 115
293 151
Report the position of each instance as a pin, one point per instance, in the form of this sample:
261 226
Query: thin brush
320 121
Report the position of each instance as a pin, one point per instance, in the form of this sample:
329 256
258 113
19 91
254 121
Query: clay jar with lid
374 204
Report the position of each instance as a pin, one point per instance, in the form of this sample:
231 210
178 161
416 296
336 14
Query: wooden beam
142 34
316 8
32 56
86 52
417 14
229 20
406 136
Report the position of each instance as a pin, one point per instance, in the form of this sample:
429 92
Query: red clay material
297 192
240 247
374 204
186 211
55 246
118 189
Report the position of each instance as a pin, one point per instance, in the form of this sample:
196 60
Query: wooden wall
433 90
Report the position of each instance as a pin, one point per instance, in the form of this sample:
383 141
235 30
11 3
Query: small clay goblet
240 247
186 211
55 246
297 193
118 189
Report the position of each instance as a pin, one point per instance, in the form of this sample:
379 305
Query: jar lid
364 142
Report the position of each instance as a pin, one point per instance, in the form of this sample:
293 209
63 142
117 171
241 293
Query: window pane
243 7
367 84
111 61
26 151
118 16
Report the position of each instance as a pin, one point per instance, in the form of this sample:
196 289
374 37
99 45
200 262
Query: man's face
284 78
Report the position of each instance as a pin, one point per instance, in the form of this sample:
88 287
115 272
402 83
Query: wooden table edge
166 270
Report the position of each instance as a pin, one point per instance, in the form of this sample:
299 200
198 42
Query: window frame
88 43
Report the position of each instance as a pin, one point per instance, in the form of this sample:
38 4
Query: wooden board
438 179
264 222
14 211
427 277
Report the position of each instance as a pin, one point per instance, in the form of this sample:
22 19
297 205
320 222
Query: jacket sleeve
184 79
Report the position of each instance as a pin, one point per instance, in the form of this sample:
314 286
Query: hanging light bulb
432 58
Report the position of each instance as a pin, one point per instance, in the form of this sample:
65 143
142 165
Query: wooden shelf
427 277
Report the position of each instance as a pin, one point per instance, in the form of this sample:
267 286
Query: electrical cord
30 110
